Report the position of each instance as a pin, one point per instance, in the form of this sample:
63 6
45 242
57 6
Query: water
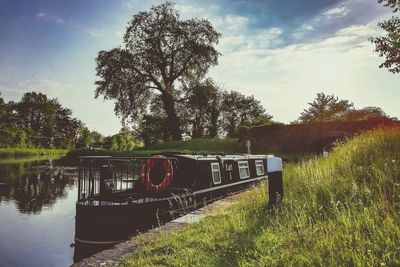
37 213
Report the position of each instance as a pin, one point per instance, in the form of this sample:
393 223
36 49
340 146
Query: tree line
37 121
326 108
204 110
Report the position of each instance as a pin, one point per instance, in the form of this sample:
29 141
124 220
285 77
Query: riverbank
339 210
26 152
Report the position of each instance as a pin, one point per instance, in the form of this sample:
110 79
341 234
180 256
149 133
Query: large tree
325 108
239 110
200 107
37 115
66 127
389 46
159 48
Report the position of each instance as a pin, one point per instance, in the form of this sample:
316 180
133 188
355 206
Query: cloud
339 16
229 23
286 77
189 10
49 17
257 40
337 12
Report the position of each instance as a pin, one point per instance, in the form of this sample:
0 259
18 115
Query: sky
282 52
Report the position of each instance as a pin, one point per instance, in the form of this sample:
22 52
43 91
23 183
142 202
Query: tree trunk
213 130
172 118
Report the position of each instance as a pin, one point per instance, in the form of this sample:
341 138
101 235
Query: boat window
259 167
216 174
244 171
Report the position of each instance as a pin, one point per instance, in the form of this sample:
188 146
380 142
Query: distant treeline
204 110
39 122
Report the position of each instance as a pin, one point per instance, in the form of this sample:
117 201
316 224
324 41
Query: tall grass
343 210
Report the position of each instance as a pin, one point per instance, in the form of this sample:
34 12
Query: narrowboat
119 196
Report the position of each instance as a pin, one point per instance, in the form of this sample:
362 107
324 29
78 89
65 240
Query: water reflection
37 210
34 184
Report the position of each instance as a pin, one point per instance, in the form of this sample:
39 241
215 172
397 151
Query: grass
343 210
25 152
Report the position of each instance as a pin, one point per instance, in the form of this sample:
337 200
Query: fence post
275 181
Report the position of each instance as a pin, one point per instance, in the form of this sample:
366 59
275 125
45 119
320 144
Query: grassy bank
342 210
27 152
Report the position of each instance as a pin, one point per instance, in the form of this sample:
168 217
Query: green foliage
159 48
239 110
204 111
395 4
25 152
342 210
36 121
389 46
331 108
84 137
199 112
326 108
366 113
97 137
124 140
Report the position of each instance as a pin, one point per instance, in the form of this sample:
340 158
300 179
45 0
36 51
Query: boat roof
216 156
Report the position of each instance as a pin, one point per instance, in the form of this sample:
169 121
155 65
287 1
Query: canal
37 212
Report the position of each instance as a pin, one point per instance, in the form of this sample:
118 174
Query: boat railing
113 180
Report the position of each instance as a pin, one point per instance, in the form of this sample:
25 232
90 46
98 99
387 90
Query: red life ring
145 174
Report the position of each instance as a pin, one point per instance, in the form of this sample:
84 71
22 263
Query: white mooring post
275 181
247 143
